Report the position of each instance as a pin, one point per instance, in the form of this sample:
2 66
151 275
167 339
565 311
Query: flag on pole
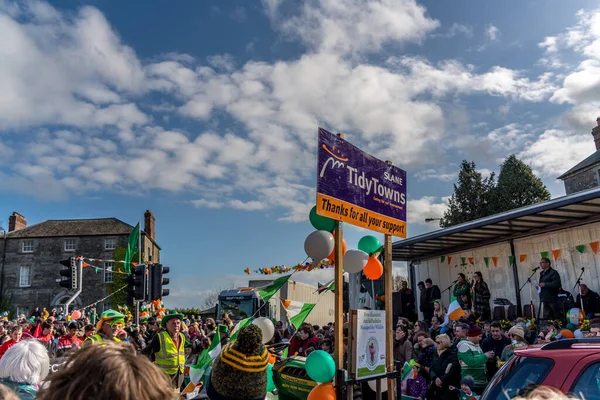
455 311
238 326
407 372
328 286
269 291
297 311
204 360
132 247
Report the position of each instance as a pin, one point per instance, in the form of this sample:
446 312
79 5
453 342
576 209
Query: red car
572 365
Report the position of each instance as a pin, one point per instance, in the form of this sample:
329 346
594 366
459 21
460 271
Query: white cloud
418 210
555 152
455 30
511 137
266 157
430 173
354 26
492 32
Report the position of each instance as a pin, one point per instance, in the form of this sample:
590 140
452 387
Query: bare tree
397 281
211 299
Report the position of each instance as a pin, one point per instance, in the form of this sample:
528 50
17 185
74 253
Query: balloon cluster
4 315
282 269
321 244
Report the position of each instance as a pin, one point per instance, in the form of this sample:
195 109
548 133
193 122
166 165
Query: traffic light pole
136 318
79 285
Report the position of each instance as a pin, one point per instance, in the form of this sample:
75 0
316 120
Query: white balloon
578 334
373 385
355 261
319 244
266 326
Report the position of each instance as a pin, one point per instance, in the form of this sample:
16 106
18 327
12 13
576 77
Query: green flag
580 248
544 254
269 291
297 311
240 325
328 286
511 260
132 247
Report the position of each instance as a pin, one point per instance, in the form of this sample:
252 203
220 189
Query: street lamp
2 268
432 219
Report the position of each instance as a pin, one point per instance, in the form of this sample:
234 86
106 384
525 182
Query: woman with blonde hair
108 372
445 370
439 310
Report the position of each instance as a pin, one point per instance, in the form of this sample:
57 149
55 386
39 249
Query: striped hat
240 371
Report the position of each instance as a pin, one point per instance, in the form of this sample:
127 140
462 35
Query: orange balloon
323 391
382 298
272 358
373 270
331 257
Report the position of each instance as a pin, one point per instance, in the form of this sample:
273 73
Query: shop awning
563 212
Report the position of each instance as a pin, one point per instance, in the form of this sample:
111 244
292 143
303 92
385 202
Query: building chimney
16 221
149 224
596 134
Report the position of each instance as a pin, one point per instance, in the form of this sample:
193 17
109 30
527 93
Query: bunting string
282 269
523 258
104 298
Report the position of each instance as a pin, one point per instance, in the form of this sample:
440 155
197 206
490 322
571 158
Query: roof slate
74 227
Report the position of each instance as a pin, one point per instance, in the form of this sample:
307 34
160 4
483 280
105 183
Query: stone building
586 174
30 269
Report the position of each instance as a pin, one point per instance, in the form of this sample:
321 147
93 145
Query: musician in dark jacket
591 300
549 284
432 292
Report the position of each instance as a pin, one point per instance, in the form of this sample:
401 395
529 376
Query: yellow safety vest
169 358
97 339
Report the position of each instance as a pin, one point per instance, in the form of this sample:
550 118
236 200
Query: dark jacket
591 302
446 367
497 346
551 280
423 300
407 298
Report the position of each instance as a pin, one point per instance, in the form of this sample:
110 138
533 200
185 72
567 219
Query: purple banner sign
357 188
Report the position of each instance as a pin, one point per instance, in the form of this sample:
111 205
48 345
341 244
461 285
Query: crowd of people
450 359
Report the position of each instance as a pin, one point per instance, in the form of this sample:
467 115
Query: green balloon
571 327
321 223
270 384
369 244
320 366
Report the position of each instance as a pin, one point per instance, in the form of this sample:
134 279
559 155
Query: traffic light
137 284
157 281
70 273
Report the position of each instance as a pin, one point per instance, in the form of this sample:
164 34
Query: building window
149 255
27 246
69 244
110 244
25 276
21 311
105 306
108 271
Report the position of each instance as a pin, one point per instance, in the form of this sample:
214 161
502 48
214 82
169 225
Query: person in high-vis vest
109 324
168 348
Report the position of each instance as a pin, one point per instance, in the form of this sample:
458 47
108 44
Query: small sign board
367 354
357 188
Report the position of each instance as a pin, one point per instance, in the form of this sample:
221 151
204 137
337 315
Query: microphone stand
530 290
449 293
578 283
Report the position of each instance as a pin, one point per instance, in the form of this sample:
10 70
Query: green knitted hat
240 371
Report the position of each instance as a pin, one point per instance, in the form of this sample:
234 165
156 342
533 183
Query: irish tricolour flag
455 311
297 311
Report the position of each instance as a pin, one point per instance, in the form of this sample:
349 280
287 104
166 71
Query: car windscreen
517 374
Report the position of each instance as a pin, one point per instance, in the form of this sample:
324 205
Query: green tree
118 281
471 198
517 187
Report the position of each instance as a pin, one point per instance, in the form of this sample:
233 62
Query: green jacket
552 283
472 361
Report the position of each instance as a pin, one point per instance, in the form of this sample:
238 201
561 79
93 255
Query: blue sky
207 113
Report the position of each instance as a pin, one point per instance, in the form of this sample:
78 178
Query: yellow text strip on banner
336 209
